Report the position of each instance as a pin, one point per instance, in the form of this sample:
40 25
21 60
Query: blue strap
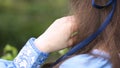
104 6
94 35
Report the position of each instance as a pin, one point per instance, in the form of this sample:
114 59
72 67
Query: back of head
90 19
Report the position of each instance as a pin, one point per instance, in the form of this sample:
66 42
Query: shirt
31 57
88 61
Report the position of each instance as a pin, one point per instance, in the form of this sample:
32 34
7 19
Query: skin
61 34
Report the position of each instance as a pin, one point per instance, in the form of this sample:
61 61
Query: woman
102 52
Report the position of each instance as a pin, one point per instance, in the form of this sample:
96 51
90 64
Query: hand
61 34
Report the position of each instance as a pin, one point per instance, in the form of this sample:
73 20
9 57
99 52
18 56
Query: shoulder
87 61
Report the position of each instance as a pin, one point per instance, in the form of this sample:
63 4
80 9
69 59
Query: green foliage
10 52
55 55
22 19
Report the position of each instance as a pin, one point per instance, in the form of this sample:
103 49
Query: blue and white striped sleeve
28 57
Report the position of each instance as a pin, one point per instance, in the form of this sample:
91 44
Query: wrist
42 45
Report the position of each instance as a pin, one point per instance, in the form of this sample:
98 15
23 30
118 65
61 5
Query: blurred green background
22 19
